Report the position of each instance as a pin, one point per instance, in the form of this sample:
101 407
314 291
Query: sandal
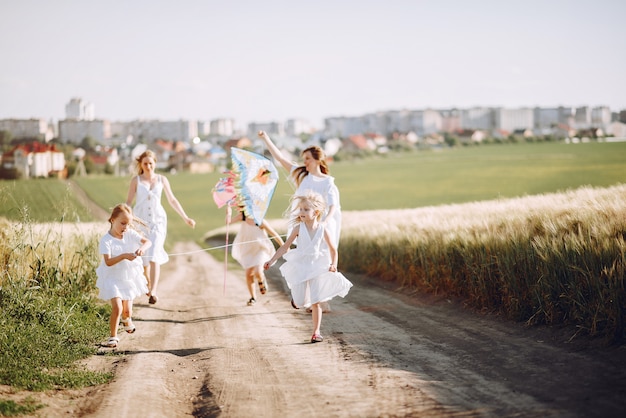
317 338
251 301
153 299
111 343
293 305
129 327
263 287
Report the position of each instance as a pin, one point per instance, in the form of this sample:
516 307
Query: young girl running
251 247
310 269
120 275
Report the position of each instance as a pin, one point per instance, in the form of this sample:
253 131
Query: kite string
218 247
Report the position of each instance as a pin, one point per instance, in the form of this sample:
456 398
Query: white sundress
326 187
252 247
306 270
148 208
125 279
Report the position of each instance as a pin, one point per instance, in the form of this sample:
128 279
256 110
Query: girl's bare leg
146 273
116 312
257 271
316 311
127 309
250 282
155 272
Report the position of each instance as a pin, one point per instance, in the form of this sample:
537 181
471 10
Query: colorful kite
249 187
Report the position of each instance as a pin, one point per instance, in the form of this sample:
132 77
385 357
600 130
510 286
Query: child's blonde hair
315 200
124 208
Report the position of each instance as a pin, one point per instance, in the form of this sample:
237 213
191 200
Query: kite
249 187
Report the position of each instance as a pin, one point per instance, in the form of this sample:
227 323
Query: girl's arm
283 248
132 190
145 244
174 203
272 233
276 152
334 255
111 261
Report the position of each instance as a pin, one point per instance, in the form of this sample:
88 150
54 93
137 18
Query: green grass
40 200
50 315
477 173
13 409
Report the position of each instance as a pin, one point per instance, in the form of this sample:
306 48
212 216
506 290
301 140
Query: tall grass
545 259
50 317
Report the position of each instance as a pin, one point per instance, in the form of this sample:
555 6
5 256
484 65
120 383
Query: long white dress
125 279
326 187
306 270
148 208
252 247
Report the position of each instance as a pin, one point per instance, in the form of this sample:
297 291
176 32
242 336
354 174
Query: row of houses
80 123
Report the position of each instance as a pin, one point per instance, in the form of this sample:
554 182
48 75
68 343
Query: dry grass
553 258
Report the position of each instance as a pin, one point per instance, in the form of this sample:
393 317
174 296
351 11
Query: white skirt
123 280
321 288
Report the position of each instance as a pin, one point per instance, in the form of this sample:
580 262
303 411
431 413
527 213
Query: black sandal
293 305
263 287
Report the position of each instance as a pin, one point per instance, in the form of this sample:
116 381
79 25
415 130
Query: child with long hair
251 247
310 269
120 274
312 175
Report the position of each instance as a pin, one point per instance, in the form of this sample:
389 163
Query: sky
263 61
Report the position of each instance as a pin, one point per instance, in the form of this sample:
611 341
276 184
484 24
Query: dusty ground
202 352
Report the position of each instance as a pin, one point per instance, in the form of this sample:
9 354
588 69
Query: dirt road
202 352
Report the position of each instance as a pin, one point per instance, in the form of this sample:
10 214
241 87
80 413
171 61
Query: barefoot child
120 275
251 247
310 269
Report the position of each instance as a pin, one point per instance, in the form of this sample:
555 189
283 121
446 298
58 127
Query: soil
200 351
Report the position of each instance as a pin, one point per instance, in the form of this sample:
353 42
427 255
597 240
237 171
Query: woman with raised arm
313 175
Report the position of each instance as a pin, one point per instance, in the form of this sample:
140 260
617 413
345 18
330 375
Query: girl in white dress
146 189
251 247
313 175
120 274
310 269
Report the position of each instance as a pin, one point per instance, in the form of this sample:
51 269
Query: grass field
396 181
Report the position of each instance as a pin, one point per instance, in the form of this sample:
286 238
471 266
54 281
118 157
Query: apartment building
28 128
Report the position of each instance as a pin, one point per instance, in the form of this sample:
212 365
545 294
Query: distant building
74 130
34 159
513 119
272 128
28 128
296 127
222 127
78 109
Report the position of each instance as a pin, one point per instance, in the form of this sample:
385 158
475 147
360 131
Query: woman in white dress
146 189
251 248
313 175
310 269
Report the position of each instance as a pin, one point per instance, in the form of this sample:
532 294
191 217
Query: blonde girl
310 269
120 274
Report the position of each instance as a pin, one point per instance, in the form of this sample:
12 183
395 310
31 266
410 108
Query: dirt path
202 352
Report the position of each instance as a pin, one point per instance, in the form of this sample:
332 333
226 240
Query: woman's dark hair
318 154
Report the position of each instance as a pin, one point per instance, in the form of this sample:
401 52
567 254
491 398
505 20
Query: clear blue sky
272 60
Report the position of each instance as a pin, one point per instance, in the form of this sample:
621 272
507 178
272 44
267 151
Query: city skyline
276 60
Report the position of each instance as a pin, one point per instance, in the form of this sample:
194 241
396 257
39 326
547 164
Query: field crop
543 259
